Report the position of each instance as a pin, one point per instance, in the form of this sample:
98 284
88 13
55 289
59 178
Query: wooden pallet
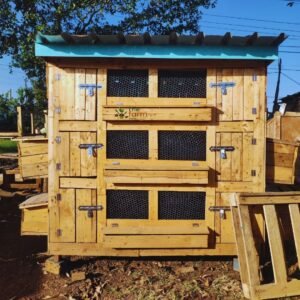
242 206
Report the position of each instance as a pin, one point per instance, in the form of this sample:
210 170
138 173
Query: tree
20 20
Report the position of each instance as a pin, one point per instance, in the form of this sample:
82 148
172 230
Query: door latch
221 210
223 86
222 150
91 148
90 209
90 88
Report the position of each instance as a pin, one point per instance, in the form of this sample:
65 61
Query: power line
252 26
252 19
290 78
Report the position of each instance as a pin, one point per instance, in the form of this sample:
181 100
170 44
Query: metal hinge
58 166
253 142
58 139
254 111
254 77
58 197
253 172
58 232
57 110
57 76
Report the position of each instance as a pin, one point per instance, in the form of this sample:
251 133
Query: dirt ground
22 275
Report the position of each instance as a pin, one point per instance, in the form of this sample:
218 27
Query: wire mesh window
127 83
127 144
182 84
181 205
182 145
127 204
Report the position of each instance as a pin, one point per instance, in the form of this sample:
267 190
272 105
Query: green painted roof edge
156 51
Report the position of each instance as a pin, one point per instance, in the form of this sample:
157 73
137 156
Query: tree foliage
20 20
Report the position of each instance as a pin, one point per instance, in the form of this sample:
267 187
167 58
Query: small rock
185 270
77 275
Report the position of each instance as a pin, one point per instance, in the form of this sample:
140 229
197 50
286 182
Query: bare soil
22 275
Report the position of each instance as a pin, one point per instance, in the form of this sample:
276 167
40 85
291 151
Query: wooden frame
246 243
76 118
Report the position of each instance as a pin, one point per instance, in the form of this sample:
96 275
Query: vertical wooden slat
90 101
219 96
226 163
238 95
295 220
101 154
259 158
217 155
227 99
153 205
248 94
53 101
79 94
87 160
211 92
63 152
85 225
74 154
248 246
67 90
237 162
240 250
153 83
153 144
275 242
247 156
66 217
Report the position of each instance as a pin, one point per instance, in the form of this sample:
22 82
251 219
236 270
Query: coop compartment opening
127 144
182 84
182 145
127 83
127 204
181 205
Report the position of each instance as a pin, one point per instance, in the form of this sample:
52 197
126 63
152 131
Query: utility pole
275 103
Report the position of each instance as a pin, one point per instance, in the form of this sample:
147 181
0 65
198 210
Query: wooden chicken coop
149 138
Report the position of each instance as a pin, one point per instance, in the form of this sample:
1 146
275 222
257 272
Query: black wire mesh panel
181 205
126 204
127 83
182 145
182 84
128 144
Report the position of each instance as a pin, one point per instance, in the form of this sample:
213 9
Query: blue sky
218 21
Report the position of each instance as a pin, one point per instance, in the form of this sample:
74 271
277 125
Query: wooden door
73 174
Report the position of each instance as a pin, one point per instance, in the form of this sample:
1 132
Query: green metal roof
171 46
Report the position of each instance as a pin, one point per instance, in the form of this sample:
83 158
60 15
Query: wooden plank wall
76 178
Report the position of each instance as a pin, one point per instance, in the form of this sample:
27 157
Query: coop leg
53 265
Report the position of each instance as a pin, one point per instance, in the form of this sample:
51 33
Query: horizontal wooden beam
157 114
161 177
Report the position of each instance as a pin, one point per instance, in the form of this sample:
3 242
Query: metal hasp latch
90 87
220 209
223 86
222 150
90 209
91 148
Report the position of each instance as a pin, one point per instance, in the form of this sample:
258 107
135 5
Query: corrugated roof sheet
172 39
172 46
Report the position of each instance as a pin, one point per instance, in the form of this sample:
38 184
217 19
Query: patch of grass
8 146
